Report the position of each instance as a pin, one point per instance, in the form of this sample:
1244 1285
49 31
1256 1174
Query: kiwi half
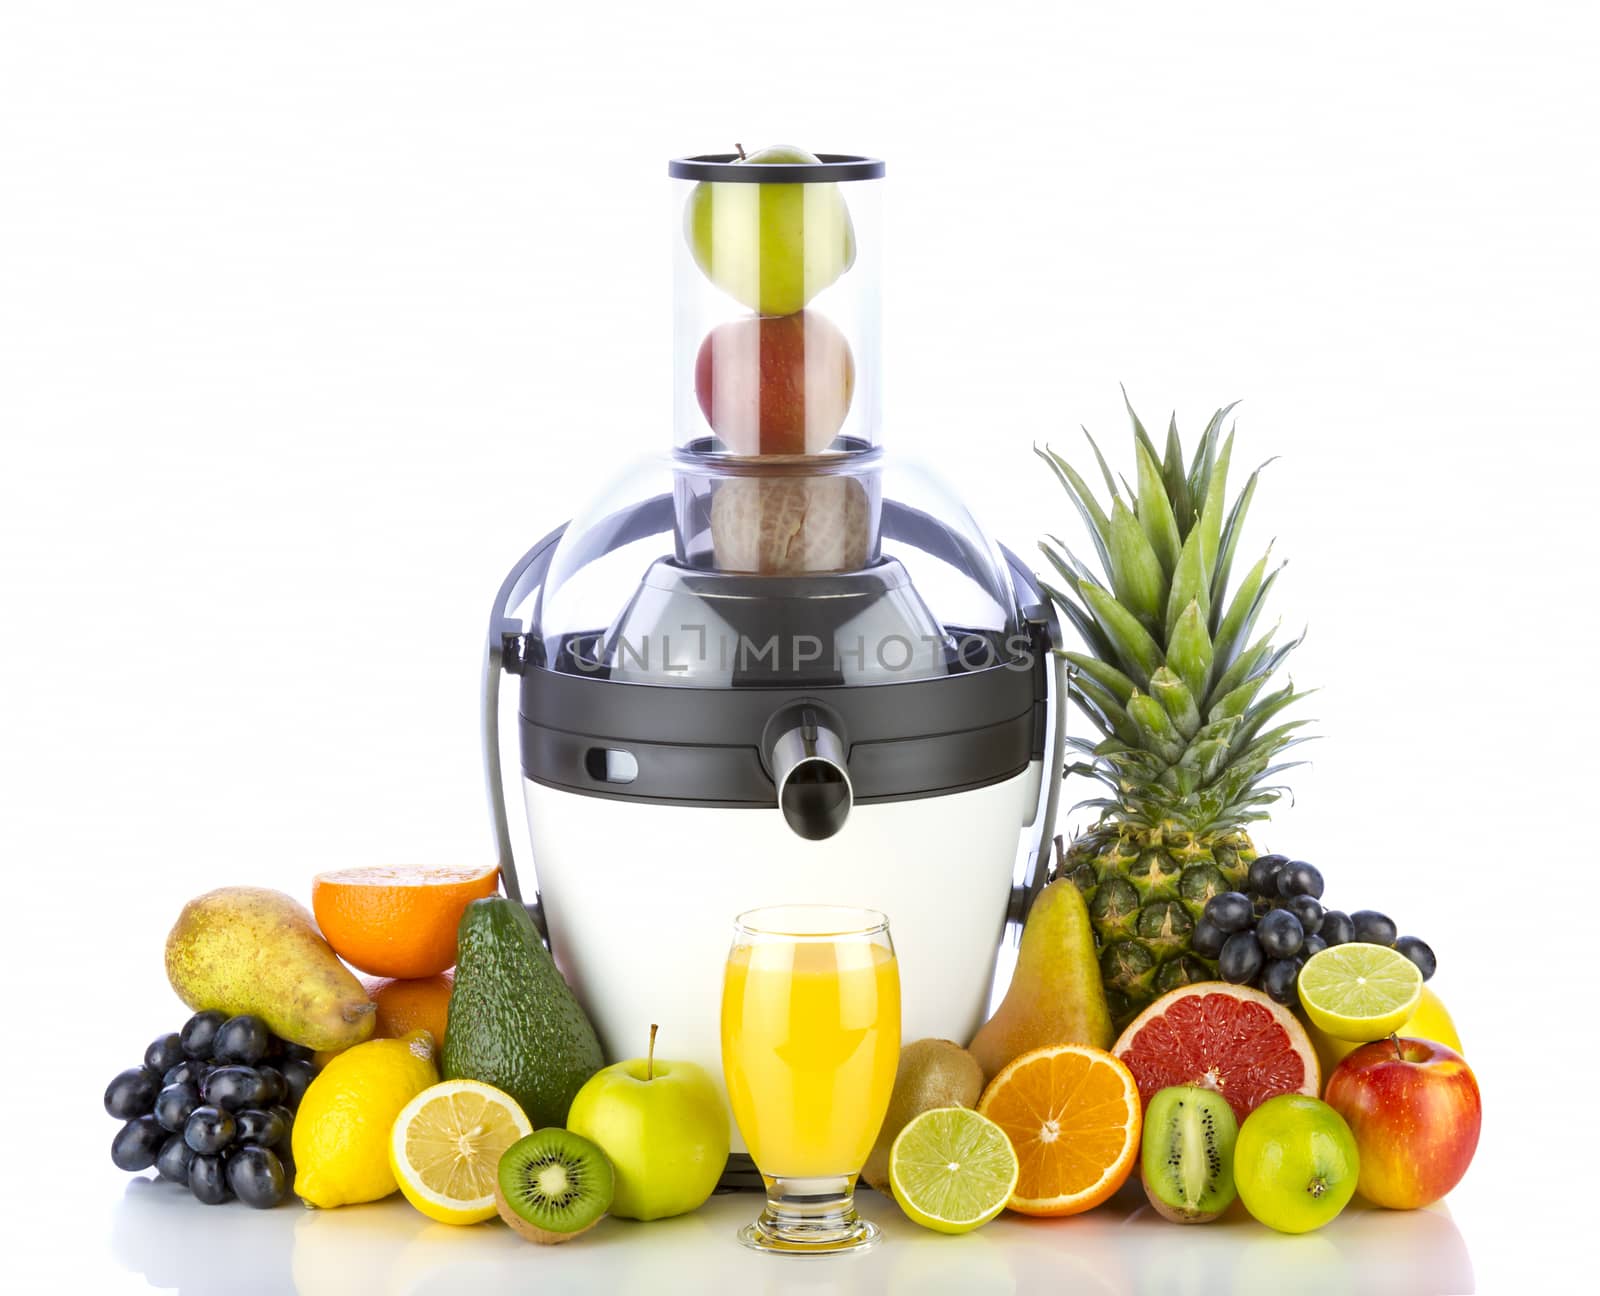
1187 1157
553 1185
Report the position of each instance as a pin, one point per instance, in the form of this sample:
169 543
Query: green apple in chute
772 247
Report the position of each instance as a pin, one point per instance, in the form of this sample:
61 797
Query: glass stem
811 1215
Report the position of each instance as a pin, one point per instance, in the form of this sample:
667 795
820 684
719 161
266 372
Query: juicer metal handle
505 652
1040 614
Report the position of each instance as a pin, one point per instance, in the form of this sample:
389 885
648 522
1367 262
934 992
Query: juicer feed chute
777 270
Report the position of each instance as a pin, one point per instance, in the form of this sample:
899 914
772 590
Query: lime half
952 1169
1358 991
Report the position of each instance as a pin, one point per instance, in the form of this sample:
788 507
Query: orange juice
810 1041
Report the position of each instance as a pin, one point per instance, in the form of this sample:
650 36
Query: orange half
1073 1116
398 922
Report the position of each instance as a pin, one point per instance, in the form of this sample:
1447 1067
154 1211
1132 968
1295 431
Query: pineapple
1176 687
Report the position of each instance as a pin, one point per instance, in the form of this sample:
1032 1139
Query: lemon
952 1169
1359 991
341 1132
445 1148
1430 1020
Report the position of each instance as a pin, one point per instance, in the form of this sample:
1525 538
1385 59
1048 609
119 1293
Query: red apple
1415 1110
775 384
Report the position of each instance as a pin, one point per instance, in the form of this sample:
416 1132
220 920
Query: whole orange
397 922
422 1003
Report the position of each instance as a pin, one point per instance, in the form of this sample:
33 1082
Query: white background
314 315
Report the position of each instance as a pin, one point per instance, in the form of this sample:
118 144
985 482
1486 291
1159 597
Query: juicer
777 664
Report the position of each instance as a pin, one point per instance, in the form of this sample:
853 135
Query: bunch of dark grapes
1262 936
212 1109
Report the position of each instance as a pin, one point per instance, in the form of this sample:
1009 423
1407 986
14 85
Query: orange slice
1072 1113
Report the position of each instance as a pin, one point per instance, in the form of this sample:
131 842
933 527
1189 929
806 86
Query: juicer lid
729 168
694 571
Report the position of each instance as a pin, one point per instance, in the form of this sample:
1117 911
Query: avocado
514 1022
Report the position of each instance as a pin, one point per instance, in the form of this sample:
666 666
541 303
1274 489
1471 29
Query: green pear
252 950
772 247
1056 996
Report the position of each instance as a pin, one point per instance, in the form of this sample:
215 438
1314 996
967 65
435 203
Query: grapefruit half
1224 1037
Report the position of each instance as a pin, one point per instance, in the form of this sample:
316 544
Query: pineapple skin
1145 889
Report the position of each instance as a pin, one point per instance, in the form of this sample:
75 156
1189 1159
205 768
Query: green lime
952 1169
1358 991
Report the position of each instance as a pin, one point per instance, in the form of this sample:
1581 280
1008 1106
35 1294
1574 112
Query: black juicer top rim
726 167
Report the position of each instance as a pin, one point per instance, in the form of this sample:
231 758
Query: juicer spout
807 759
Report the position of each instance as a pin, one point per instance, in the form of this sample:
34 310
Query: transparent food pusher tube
776 362
776 280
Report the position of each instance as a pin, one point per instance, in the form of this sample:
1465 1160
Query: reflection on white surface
387 1249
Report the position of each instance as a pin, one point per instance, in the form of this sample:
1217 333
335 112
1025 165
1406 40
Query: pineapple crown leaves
1171 677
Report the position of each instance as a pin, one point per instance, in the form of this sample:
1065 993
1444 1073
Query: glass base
810 1217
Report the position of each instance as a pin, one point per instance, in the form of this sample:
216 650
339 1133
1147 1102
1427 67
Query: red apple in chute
1415 1110
775 384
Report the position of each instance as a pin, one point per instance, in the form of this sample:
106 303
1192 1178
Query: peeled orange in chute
398 921
1072 1114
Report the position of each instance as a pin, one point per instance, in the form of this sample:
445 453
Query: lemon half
446 1145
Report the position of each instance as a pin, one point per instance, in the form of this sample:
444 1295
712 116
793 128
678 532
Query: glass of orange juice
810 1042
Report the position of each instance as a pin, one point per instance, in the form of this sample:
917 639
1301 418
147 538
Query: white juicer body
640 900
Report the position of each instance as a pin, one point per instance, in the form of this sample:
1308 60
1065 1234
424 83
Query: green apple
772 247
663 1126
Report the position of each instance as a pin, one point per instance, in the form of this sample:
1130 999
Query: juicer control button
611 765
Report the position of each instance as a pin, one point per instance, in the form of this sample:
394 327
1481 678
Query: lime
446 1145
952 1169
1358 991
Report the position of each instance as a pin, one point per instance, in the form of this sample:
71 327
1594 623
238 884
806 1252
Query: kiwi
1187 1161
553 1185
932 1073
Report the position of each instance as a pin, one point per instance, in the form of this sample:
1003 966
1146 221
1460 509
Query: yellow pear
1056 996
251 950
